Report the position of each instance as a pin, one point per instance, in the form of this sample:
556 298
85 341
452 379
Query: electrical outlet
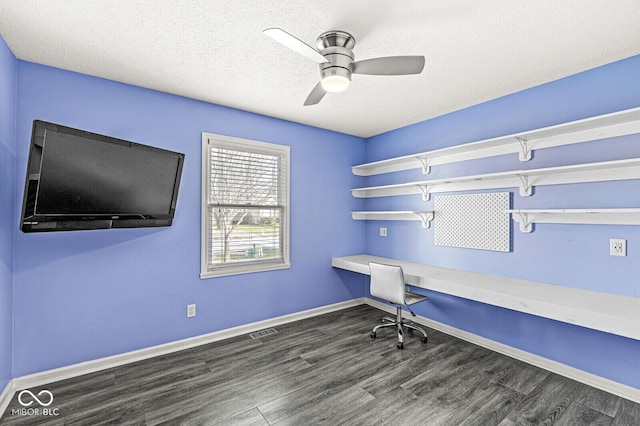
617 247
191 311
383 232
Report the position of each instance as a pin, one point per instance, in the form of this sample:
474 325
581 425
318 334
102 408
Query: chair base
400 324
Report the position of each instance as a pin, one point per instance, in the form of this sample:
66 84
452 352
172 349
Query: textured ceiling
214 50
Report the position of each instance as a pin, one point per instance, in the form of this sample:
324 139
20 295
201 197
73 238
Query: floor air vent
263 333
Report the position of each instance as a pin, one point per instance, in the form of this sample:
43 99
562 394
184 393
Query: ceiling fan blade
287 40
316 95
390 65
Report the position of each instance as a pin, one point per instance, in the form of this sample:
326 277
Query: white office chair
387 282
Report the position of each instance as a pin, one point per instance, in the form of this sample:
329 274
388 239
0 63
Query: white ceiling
214 50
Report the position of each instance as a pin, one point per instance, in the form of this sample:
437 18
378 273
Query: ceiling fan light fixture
335 83
333 78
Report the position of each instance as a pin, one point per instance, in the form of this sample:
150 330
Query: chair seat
412 298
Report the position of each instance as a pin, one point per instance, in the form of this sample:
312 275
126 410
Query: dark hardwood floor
327 370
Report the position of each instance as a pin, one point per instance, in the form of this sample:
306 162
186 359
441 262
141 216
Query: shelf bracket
426 217
525 187
426 165
523 219
426 192
525 153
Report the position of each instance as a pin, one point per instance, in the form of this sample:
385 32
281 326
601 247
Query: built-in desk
600 311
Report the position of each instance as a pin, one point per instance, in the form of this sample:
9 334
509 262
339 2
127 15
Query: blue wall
89 294
7 222
568 255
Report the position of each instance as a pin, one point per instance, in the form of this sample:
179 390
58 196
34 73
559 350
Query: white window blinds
246 224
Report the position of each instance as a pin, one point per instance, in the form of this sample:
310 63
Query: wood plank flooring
327 370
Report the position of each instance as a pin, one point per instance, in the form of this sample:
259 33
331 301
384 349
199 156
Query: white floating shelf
619 123
526 218
525 180
424 216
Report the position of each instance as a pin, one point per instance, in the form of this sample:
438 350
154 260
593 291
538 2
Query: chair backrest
387 282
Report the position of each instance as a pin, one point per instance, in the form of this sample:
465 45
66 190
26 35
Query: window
245 206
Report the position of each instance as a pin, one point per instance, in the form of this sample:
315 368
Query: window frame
247 145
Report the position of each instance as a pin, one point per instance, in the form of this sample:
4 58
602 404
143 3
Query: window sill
246 269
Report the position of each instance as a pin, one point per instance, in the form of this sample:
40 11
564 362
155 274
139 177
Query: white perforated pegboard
475 221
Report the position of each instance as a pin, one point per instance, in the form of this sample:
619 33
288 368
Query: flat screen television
82 180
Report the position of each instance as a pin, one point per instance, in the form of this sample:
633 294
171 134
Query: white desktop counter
600 311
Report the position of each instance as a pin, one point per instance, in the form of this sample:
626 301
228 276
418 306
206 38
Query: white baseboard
74 370
598 382
44 377
6 395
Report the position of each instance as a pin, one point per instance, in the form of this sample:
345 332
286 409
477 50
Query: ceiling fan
336 61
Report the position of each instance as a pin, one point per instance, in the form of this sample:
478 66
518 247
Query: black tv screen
82 180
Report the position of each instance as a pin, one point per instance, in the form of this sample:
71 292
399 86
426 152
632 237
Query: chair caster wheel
373 334
400 345
423 340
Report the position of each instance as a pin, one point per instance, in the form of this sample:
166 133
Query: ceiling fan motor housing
336 47
340 62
